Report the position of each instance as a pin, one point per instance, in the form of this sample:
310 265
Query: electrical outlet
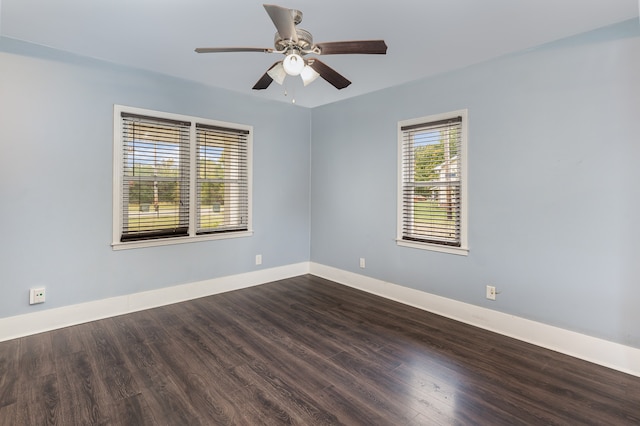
362 264
491 292
258 259
36 295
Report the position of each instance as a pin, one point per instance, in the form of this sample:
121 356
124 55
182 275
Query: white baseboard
609 354
51 319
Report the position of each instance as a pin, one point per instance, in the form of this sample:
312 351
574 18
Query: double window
432 205
179 178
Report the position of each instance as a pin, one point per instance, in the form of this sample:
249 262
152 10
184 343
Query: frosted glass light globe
308 75
293 64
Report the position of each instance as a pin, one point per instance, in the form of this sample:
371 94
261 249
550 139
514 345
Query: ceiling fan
296 43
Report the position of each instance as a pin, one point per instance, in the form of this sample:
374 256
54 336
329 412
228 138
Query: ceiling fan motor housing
305 41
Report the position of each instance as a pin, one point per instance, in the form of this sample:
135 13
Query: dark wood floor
299 351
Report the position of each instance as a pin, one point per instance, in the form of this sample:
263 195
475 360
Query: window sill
460 251
178 240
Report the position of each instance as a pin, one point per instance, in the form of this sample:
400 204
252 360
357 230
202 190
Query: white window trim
463 250
117 180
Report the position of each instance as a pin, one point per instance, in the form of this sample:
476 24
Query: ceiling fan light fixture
295 43
293 64
308 75
277 73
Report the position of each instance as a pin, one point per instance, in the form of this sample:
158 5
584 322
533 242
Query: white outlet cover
36 295
491 292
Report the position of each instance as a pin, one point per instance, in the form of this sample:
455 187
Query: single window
222 179
179 178
155 179
432 183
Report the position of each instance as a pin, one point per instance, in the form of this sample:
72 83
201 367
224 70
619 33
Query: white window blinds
222 179
179 179
155 178
432 182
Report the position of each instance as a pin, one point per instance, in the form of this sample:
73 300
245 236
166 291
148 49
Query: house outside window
179 179
432 183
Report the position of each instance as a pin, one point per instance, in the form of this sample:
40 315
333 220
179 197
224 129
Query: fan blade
233 49
265 80
329 74
283 20
369 47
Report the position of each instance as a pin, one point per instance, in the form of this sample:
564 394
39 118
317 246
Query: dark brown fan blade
368 47
232 49
265 80
329 74
283 20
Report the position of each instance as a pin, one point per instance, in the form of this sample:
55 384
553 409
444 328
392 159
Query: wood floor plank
9 415
295 403
165 399
82 396
304 351
109 362
9 372
40 404
307 367
261 409
214 348
348 407
311 322
168 405
204 385
133 410
65 341
391 393
36 356
216 402
293 362
292 326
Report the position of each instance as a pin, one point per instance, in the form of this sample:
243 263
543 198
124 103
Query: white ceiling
425 37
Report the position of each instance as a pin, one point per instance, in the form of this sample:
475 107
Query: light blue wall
56 115
554 181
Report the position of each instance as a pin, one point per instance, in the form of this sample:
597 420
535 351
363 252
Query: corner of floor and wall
598 351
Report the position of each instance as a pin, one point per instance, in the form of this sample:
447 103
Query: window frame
463 249
192 234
